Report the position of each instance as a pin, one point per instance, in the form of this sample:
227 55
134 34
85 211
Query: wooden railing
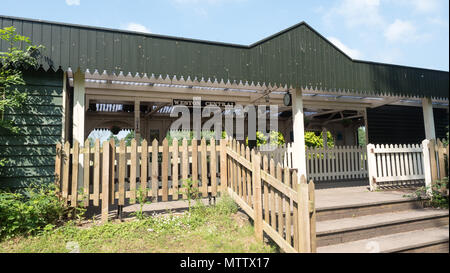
280 206
271 195
325 164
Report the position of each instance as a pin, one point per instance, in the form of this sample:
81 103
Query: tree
116 139
316 141
275 138
12 64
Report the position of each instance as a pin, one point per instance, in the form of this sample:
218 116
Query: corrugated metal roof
297 56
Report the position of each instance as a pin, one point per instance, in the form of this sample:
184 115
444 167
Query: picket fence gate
407 164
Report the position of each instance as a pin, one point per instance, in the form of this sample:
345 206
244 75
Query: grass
205 229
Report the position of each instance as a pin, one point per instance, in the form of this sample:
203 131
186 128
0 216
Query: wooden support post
79 110
106 180
304 226
137 120
298 155
428 118
366 126
325 137
371 166
257 195
426 165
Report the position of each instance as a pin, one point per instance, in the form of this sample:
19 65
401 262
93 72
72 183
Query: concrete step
433 240
368 208
344 230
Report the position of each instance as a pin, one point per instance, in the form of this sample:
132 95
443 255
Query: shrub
30 211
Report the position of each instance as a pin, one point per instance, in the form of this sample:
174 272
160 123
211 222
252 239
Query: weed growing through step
439 194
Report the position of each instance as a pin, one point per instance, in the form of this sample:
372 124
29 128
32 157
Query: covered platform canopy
112 66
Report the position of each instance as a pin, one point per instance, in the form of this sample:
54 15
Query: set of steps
389 226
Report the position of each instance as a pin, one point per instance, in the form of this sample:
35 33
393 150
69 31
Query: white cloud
401 31
353 53
73 2
137 27
356 13
424 6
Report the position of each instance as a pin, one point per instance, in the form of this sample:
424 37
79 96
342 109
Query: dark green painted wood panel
35 130
31 152
297 56
402 124
27 171
34 120
28 150
29 161
38 110
23 182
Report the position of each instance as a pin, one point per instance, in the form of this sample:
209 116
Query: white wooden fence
394 164
325 164
406 164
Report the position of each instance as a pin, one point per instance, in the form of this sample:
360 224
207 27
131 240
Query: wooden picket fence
270 194
396 165
280 206
115 173
436 160
339 163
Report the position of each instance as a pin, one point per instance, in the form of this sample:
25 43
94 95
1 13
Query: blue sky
405 32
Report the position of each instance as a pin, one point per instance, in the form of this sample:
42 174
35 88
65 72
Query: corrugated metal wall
298 56
31 153
402 124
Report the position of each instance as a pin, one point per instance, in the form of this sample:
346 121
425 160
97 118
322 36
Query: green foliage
12 63
78 212
29 212
275 138
141 198
116 139
316 141
362 136
191 191
211 229
439 196
130 136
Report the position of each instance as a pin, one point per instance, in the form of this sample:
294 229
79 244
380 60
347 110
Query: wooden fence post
371 166
303 216
223 165
426 165
87 167
433 162
312 211
75 159
257 206
106 180
441 151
